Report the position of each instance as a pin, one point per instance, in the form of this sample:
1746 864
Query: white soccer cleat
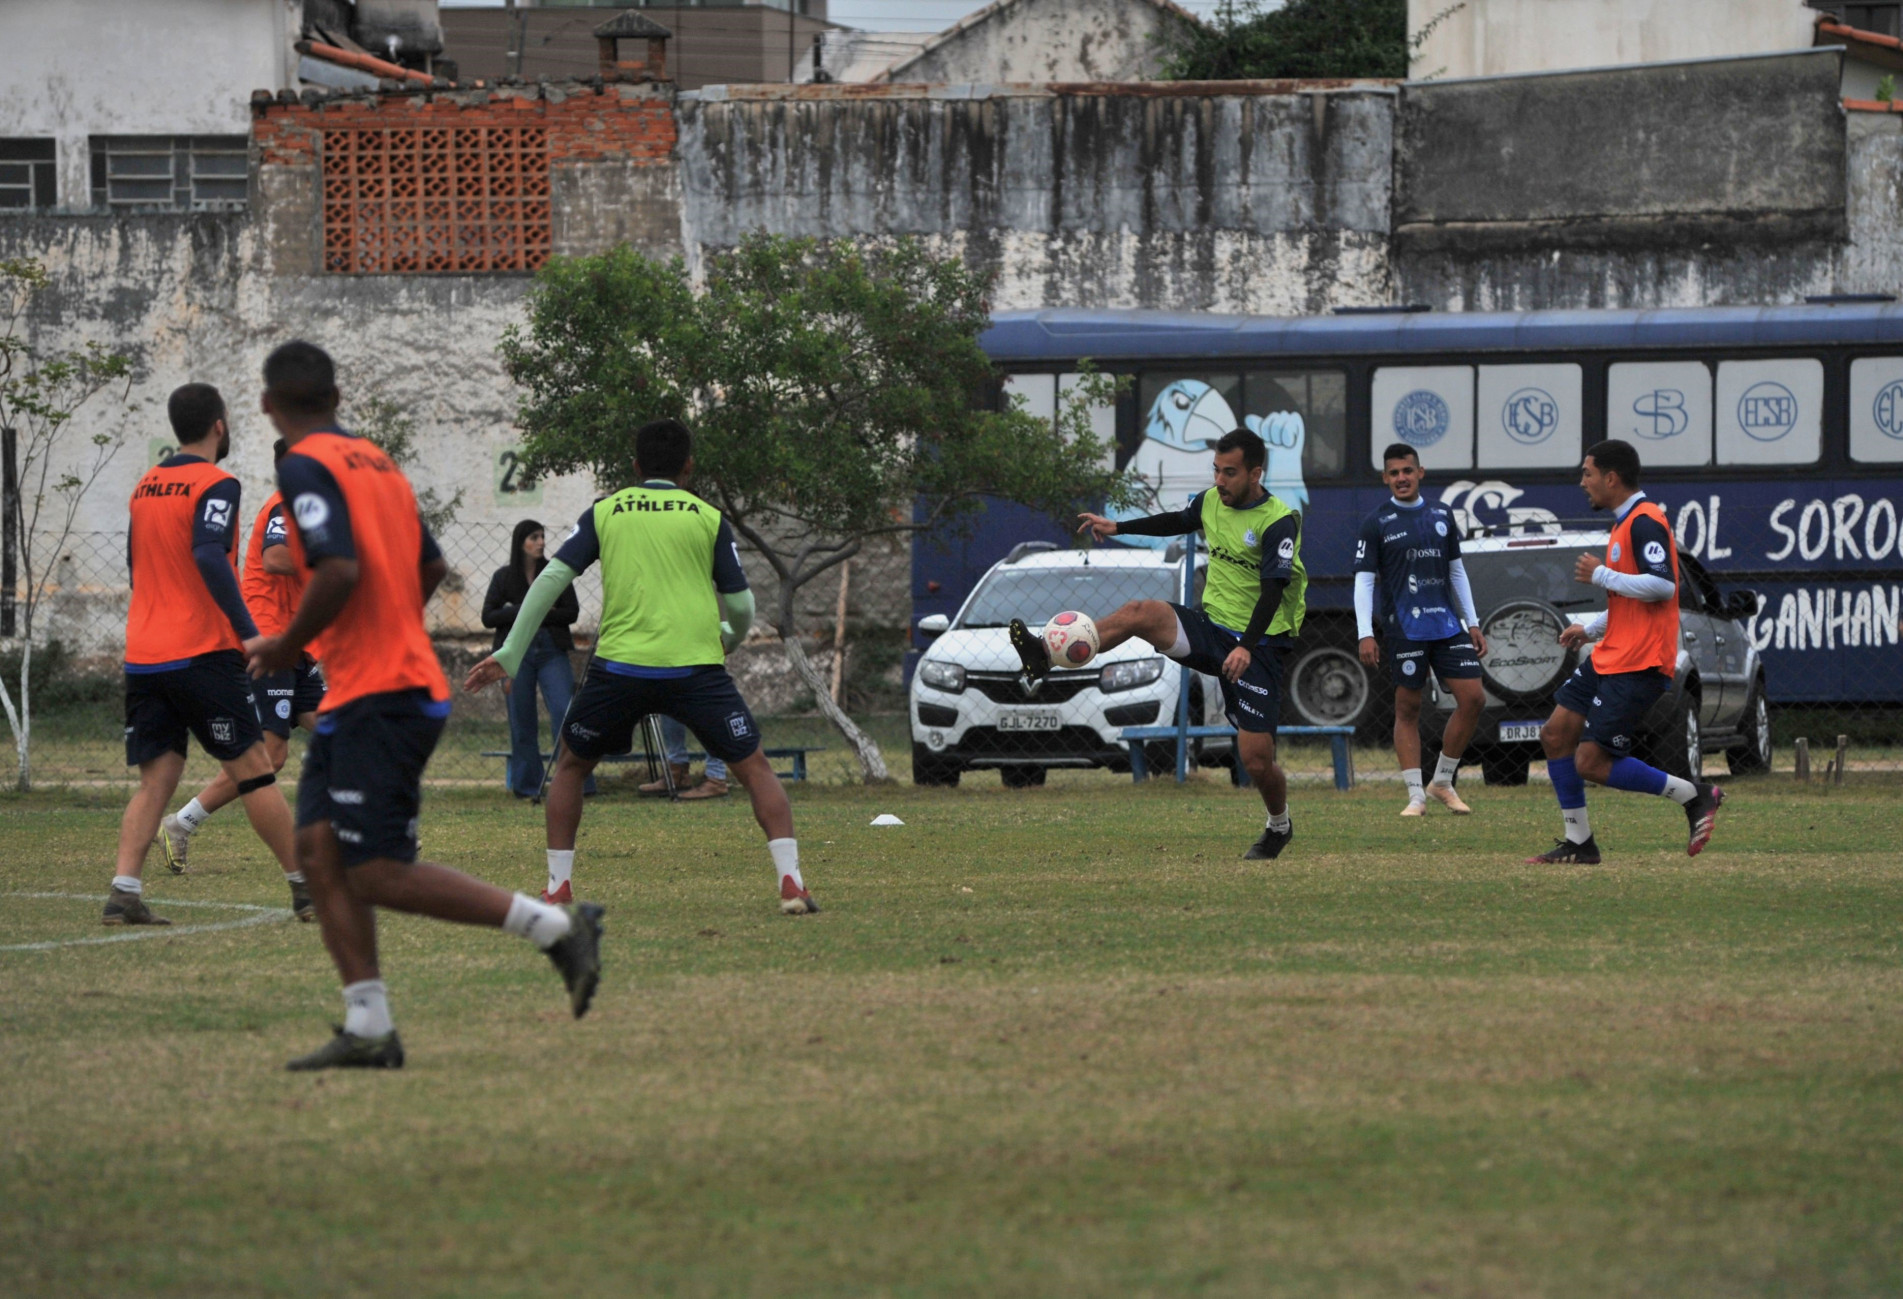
1449 799
1414 809
176 842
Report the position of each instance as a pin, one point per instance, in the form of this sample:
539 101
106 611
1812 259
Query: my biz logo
1767 411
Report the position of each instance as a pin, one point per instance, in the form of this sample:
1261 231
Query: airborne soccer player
271 585
185 673
1253 605
1410 550
1598 711
371 564
674 601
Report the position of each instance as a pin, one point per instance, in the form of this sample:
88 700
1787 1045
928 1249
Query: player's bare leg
775 815
1565 755
176 829
1151 620
1407 748
1469 698
1256 751
158 781
562 815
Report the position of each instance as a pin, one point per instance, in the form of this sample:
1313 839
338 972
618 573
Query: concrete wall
1047 40
1483 38
1247 198
77 68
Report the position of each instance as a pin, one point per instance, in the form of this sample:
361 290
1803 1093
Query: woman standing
546 663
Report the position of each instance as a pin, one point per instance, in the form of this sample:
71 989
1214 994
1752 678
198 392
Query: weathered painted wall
1247 198
1048 40
1481 38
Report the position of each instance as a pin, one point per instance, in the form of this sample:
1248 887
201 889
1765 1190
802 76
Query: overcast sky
883 15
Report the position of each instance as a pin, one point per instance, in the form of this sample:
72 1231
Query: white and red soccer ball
1071 638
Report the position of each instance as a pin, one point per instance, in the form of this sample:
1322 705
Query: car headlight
942 676
1130 674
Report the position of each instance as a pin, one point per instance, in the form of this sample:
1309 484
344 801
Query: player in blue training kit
1410 549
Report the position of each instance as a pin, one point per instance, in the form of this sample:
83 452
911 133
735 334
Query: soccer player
185 672
1598 711
1253 605
674 601
371 564
271 585
1411 551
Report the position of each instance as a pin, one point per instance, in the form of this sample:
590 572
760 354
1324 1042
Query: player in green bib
674 601
1253 603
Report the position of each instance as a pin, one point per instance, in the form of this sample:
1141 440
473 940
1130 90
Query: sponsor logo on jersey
1287 549
222 729
1654 552
1615 553
218 514
312 511
1440 526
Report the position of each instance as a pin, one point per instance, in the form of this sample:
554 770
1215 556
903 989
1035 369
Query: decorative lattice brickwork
437 198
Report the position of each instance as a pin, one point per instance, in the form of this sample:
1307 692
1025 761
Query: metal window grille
184 173
27 174
435 199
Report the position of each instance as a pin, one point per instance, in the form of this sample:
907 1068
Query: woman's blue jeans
547 667
674 737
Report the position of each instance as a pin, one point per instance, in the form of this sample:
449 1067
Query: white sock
1578 825
1444 770
294 877
561 867
1411 776
128 884
366 1009
786 860
1278 821
1680 791
192 815
538 922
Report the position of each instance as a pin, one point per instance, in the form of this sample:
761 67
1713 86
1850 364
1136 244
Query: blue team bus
1773 436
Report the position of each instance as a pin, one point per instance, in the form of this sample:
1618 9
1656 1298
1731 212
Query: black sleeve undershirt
1170 523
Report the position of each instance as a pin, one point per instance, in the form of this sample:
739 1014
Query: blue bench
798 755
1338 738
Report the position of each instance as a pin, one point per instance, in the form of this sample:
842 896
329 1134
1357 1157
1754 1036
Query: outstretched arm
541 597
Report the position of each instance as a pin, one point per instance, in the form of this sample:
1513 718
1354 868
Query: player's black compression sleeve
1171 523
1279 544
214 565
1265 606
583 547
318 509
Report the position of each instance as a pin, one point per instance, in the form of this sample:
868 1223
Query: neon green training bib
1235 540
659 608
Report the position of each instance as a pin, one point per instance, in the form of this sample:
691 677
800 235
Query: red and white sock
786 860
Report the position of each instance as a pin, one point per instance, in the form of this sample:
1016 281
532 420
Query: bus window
1770 412
1321 398
1431 408
1529 416
1876 409
1038 390
1663 408
1103 417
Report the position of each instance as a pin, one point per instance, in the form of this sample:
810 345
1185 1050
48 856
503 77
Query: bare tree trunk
19 719
871 760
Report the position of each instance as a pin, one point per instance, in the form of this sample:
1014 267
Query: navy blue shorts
1255 702
1453 659
363 773
1613 705
609 705
210 697
288 695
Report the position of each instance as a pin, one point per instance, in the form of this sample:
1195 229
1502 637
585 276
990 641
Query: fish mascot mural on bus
1179 432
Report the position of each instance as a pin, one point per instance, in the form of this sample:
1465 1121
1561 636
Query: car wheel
1755 753
1327 686
1021 777
1500 766
1677 748
929 769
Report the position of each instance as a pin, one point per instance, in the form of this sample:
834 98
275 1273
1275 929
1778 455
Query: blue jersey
1410 550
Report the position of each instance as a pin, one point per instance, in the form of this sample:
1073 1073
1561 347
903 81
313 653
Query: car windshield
1034 594
1542 573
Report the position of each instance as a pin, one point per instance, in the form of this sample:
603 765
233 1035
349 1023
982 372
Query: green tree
1245 40
833 393
391 427
40 391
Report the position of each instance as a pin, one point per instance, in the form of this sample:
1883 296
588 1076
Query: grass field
1045 1042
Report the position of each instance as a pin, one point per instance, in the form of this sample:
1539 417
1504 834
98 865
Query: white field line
260 916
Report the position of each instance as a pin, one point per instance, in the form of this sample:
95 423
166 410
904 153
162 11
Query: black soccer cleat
1032 651
124 908
1702 814
301 905
1565 852
348 1051
1271 844
578 955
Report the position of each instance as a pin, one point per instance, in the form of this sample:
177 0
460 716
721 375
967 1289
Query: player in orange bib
371 564
271 585
185 672
1600 708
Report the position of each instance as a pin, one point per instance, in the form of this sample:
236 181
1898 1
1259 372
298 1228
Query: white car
970 709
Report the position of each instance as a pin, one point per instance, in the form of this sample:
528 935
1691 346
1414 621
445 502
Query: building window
182 173
1884 18
26 174
435 199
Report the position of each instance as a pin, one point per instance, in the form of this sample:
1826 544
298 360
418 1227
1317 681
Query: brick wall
456 182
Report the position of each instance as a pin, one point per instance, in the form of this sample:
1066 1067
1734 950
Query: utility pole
518 36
